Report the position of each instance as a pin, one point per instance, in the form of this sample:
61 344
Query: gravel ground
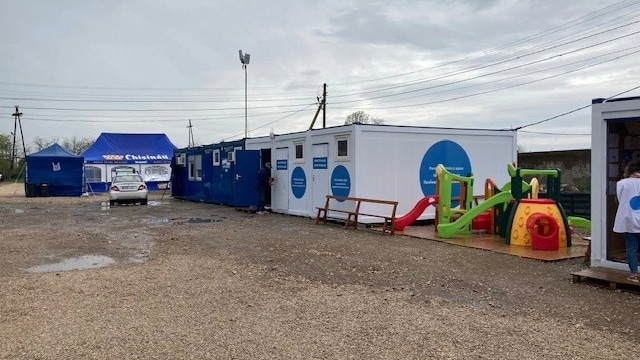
200 281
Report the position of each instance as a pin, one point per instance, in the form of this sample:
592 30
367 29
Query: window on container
299 152
216 157
343 148
198 165
191 164
92 174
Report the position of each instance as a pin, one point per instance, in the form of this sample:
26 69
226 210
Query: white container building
379 162
615 140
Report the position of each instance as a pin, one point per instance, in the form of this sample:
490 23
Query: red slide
410 217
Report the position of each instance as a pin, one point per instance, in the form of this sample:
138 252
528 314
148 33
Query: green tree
361 117
5 154
7 157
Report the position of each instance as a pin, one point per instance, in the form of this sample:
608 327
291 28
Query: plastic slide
579 222
448 230
413 214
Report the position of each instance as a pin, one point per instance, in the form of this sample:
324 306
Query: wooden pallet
614 279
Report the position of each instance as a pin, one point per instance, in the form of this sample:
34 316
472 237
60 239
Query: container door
225 185
280 198
320 174
245 178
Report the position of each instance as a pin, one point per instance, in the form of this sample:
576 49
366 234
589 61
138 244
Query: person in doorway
264 184
627 220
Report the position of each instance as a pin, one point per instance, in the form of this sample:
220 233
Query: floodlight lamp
247 57
241 56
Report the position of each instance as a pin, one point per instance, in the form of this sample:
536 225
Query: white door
320 174
280 171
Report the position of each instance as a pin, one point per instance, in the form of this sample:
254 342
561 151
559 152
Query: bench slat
352 218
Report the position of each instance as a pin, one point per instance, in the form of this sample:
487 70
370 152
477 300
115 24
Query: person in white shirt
627 220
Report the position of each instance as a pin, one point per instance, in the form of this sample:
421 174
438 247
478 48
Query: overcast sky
80 68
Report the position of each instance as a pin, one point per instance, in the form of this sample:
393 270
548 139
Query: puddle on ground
76 263
162 221
201 220
157 203
18 211
156 221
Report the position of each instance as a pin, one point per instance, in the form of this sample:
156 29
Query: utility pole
321 106
191 141
17 123
324 106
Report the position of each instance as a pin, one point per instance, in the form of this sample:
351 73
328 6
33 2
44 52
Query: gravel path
202 281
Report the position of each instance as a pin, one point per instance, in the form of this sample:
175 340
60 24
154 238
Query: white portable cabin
379 162
615 140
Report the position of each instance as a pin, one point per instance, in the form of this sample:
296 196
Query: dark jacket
263 178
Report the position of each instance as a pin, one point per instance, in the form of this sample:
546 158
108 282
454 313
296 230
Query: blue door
245 178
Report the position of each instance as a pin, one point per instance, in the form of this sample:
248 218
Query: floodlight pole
244 66
244 59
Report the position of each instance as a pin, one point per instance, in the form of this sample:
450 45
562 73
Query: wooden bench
353 213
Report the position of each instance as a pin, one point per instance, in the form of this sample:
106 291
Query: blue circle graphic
634 203
298 182
454 159
340 182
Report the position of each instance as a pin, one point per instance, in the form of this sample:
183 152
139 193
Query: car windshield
127 178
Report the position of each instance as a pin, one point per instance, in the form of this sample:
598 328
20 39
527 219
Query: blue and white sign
281 164
340 182
298 182
319 162
454 159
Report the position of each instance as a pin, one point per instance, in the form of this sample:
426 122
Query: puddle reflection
76 263
201 220
156 221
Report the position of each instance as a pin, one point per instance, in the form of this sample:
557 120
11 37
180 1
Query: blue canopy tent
147 154
54 171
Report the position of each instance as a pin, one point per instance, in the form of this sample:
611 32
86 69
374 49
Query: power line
482 92
574 110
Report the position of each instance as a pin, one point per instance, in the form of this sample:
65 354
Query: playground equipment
514 212
451 220
409 218
539 223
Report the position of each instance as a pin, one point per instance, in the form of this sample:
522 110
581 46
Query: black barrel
44 189
30 189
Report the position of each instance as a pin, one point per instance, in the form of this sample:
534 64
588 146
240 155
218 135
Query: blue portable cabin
55 169
223 173
148 154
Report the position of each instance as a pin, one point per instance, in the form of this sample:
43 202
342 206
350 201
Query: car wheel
112 202
143 202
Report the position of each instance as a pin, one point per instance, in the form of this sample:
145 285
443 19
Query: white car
128 188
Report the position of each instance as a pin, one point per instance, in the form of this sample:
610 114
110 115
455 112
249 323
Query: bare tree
74 144
77 145
361 117
40 143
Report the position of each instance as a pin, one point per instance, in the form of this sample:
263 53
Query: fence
575 203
